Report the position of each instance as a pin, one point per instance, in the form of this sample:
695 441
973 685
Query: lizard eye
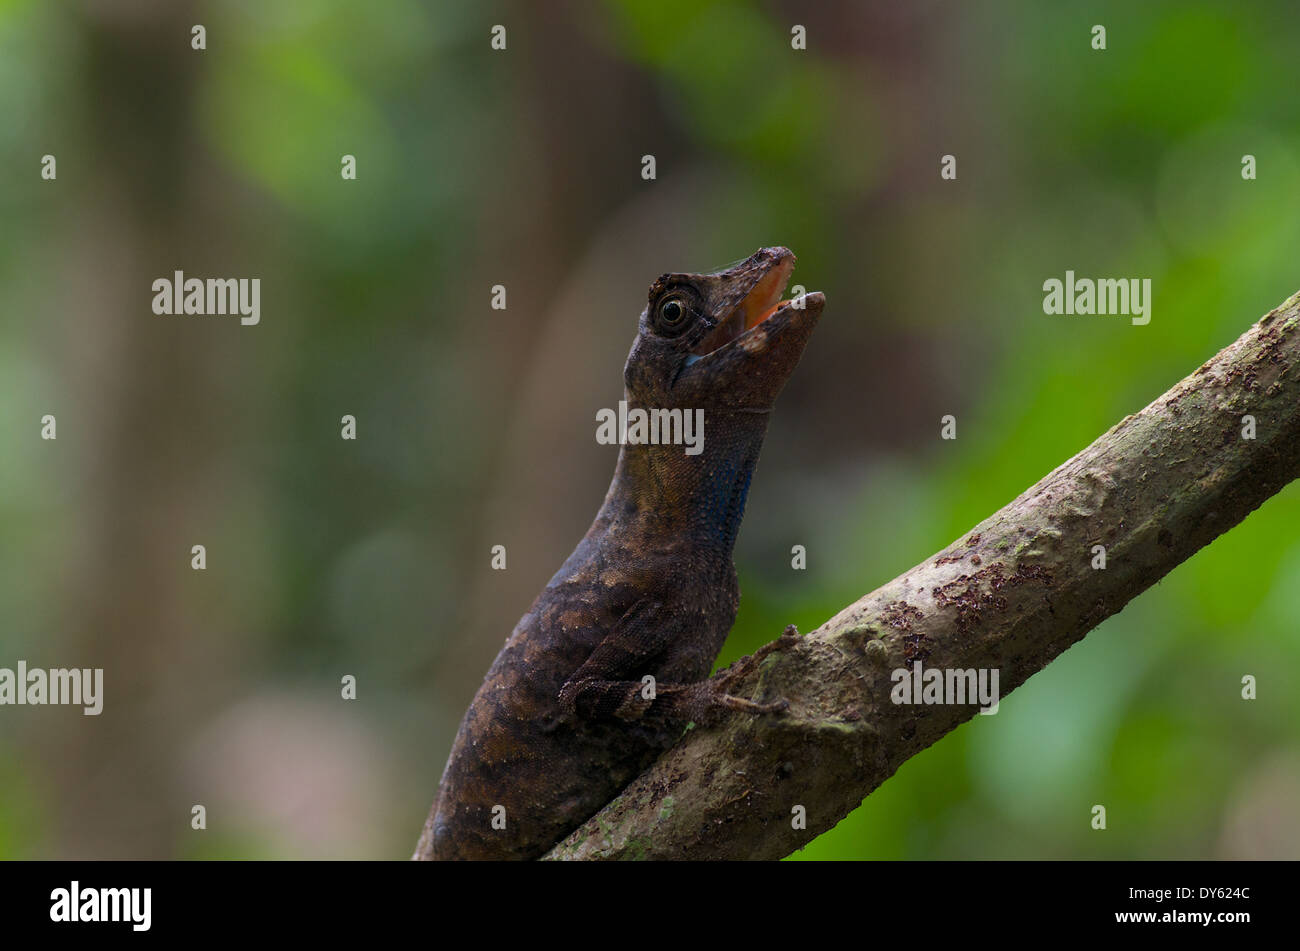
672 314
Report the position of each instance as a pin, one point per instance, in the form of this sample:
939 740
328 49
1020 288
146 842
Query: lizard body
563 719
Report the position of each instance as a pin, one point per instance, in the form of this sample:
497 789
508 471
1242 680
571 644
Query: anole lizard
566 717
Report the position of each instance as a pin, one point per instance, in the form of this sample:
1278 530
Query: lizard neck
661 493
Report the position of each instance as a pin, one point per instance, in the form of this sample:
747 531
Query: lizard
612 660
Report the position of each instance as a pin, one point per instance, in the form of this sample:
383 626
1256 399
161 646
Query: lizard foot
746 665
789 637
718 684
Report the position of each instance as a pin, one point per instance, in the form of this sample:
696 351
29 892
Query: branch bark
1011 594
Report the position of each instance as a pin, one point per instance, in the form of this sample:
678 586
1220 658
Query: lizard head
721 341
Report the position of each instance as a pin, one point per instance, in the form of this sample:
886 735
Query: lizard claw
749 706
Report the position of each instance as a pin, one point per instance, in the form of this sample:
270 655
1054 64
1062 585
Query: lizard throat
698 500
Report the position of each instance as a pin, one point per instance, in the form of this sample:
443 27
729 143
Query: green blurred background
476 427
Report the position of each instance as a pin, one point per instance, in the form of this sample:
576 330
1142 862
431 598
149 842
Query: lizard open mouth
762 301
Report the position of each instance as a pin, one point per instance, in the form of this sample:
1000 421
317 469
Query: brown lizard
568 714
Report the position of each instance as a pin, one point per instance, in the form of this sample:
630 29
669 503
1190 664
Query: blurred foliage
476 167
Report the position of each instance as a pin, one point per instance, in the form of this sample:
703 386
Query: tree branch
1011 594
